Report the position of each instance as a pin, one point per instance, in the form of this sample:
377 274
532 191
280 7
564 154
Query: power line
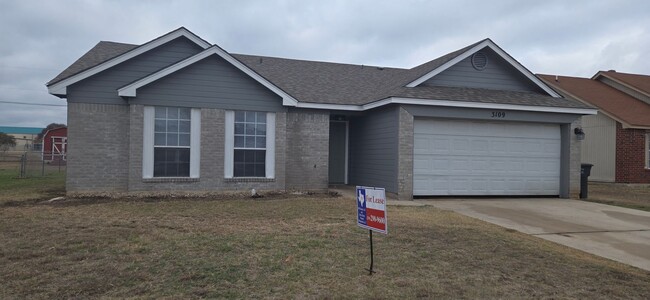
38 104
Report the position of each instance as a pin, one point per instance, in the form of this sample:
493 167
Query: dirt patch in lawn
627 195
304 247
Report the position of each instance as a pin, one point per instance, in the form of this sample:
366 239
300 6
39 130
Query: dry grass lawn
627 195
284 247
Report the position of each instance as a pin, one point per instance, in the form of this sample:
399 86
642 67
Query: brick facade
98 148
575 152
631 155
405 156
105 152
308 134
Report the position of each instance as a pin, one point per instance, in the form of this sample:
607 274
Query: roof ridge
315 61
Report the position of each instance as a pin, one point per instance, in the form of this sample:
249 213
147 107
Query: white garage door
462 157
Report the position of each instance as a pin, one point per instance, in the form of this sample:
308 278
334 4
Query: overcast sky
38 39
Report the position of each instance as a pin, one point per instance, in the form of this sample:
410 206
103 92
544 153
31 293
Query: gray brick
405 154
307 149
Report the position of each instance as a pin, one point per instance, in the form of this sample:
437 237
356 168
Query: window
250 144
171 142
171 154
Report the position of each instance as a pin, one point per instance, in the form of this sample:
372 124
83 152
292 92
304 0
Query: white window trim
148 143
229 145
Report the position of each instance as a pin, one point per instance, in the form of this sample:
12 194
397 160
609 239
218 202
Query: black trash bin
585 171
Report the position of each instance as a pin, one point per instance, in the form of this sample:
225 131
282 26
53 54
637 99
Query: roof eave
448 103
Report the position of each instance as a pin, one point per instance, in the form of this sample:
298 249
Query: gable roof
468 51
621 107
327 85
87 67
130 90
640 83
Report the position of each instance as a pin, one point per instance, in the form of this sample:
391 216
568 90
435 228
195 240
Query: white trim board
60 88
490 44
130 90
448 103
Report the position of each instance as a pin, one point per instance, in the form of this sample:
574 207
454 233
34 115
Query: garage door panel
460 157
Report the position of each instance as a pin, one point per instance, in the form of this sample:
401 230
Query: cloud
38 39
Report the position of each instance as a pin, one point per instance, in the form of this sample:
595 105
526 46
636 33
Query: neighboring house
180 114
617 138
55 143
24 136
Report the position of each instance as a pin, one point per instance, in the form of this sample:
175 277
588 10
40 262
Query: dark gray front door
337 157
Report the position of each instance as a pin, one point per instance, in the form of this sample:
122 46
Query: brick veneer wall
98 148
631 156
212 158
307 149
405 156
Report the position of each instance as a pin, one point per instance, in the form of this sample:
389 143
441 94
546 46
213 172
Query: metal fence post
23 162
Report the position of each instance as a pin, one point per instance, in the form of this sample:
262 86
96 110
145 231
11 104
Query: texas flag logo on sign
371 208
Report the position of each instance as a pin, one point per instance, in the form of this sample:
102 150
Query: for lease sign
371 209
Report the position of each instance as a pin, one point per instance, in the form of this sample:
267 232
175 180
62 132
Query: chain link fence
32 163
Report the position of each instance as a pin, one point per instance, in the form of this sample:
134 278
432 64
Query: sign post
371 214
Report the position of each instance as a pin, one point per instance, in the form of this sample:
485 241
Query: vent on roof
479 61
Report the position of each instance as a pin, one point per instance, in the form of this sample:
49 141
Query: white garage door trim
477 158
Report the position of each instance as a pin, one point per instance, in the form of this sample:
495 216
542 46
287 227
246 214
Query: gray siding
497 75
486 114
102 88
210 83
599 146
374 149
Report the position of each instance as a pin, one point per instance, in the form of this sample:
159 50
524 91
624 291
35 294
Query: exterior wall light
580 134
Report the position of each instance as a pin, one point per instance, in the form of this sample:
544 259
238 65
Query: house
24 137
55 143
180 114
617 138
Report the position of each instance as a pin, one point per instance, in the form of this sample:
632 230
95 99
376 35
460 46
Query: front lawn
285 246
635 196
33 188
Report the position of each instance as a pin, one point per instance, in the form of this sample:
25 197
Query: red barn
55 144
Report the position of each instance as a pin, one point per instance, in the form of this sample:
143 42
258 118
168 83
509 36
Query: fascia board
500 52
452 103
60 88
348 107
448 103
130 90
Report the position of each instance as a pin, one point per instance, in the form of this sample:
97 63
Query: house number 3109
498 114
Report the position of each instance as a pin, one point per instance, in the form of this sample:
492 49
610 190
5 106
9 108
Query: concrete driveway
617 233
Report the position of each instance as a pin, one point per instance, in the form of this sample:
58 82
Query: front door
338 152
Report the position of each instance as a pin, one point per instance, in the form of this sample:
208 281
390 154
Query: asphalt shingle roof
102 52
640 82
614 102
336 83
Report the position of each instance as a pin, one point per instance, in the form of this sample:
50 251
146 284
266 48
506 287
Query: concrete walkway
617 233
